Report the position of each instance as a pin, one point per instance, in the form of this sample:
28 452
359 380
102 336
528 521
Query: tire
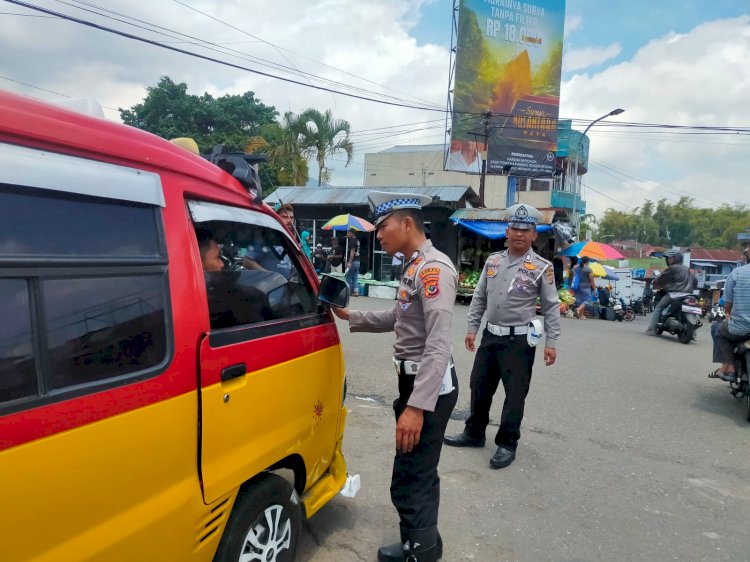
264 524
747 400
659 330
686 336
629 315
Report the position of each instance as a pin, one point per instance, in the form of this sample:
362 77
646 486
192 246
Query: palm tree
282 143
324 136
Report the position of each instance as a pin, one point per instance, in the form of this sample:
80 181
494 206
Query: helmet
673 257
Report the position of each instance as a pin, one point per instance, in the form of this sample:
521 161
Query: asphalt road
628 453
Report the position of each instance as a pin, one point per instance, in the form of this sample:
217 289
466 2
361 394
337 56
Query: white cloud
572 23
578 59
367 38
696 78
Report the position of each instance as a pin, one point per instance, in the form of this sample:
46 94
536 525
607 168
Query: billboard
508 61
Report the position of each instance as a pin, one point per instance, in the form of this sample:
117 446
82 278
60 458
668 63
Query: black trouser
511 359
415 484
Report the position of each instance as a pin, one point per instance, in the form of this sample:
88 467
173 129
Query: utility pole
487 117
576 179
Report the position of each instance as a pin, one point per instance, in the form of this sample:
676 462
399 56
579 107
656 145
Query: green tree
169 111
323 136
282 143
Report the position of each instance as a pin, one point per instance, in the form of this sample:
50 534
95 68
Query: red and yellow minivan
151 410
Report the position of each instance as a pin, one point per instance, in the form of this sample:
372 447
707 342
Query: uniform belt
506 330
410 367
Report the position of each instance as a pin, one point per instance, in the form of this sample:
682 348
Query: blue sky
598 23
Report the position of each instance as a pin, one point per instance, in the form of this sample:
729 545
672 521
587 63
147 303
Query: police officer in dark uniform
422 320
507 290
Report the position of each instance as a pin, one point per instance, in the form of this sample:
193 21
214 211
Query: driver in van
209 250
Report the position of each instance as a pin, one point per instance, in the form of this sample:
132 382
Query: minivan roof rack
243 167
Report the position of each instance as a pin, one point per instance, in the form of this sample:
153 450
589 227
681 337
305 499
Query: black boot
422 545
396 551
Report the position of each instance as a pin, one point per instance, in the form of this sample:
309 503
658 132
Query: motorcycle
681 317
638 307
628 311
740 387
717 314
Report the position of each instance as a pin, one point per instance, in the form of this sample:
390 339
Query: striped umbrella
594 250
348 222
603 271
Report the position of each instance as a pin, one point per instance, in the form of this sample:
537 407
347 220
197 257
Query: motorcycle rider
675 279
736 327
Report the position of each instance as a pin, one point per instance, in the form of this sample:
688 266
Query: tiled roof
715 254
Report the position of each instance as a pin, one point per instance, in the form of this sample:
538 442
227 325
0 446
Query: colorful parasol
347 222
594 250
603 271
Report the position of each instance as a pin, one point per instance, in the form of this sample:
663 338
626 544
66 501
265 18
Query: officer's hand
469 341
550 354
408 429
342 313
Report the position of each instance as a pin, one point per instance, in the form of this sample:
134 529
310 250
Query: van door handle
233 372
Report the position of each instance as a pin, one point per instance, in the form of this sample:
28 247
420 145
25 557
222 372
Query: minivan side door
270 363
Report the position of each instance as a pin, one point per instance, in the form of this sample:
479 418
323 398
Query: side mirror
334 292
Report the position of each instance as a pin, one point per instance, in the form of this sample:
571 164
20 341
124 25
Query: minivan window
83 294
262 279
17 365
37 222
103 327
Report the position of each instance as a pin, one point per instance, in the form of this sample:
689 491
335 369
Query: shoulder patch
550 276
430 277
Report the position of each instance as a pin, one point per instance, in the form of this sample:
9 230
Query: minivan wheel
264 524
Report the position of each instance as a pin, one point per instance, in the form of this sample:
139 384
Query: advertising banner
508 61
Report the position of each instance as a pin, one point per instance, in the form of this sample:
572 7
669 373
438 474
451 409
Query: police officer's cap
383 204
522 216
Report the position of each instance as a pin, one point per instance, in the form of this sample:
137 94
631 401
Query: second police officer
507 290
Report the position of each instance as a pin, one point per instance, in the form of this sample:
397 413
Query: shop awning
703 263
493 230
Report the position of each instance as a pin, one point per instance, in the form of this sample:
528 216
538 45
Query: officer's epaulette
541 259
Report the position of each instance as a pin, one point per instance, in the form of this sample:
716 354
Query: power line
46 90
212 59
279 49
607 196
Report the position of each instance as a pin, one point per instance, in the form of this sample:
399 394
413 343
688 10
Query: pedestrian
286 214
305 244
507 290
320 259
583 285
352 262
336 256
427 385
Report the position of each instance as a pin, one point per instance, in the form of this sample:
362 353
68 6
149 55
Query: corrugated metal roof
357 195
548 215
415 148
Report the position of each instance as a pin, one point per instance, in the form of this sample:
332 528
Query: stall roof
357 195
703 263
493 230
495 215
